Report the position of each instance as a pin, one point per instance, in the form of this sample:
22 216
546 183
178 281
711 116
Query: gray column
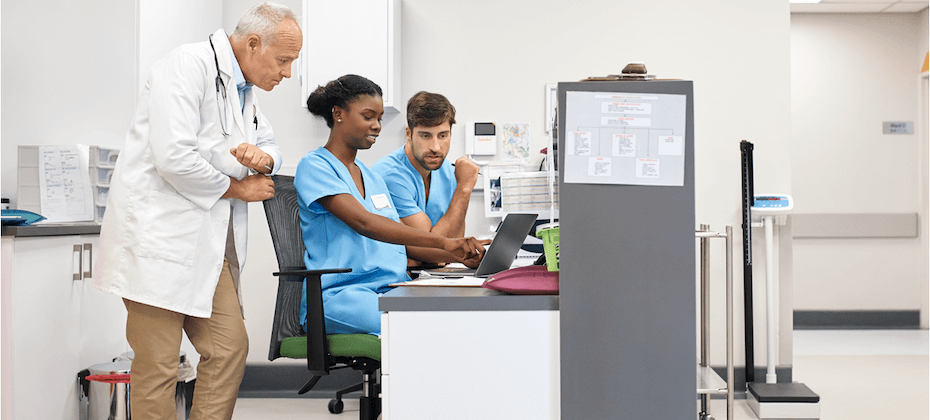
627 297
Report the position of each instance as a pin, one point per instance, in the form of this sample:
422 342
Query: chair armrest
306 273
319 358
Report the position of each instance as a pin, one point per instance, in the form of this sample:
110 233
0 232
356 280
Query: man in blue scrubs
430 193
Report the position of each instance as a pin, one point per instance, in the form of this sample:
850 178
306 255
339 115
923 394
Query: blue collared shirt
408 191
241 85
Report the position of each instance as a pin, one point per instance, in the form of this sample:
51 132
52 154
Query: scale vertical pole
745 148
769 222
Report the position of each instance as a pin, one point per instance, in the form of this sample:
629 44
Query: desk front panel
470 365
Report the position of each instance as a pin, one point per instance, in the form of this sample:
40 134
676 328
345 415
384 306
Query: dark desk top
431 298
88 228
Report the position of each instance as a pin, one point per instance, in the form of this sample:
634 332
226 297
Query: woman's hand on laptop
465 248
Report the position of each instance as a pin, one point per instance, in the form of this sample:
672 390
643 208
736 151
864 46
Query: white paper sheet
464 281
621 137
65 191
671 145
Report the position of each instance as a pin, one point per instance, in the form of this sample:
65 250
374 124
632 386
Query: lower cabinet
470 365
54 324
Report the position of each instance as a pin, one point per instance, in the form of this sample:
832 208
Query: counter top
52 230
406 298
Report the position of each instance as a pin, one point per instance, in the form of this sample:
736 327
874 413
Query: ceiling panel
885 2
862 6
839 7
906 7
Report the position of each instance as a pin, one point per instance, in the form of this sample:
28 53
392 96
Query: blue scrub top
408 191
333 244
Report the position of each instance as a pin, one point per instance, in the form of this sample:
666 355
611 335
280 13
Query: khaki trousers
155 336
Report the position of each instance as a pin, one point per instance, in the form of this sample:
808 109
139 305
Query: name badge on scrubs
380 201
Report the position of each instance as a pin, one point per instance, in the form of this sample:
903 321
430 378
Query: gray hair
263 20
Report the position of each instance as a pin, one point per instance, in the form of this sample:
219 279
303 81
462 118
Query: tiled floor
865 374
859 375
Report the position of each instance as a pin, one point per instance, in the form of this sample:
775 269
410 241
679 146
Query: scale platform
783 401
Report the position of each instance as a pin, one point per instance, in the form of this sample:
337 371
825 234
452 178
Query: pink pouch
530 280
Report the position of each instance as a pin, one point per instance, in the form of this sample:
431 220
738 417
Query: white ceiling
861 6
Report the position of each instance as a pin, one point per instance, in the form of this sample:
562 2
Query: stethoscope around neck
220 91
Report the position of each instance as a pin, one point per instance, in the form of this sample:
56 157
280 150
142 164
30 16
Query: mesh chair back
284 223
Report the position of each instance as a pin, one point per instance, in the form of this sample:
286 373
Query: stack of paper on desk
464 281
438 278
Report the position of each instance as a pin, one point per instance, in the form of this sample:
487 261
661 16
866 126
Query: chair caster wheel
335 406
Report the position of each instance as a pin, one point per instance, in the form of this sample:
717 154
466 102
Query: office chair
361 352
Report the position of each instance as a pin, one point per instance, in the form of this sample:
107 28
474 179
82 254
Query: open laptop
502 251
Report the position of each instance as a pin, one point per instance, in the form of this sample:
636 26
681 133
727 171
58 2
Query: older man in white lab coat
174 234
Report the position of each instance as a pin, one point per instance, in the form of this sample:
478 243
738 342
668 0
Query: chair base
369 408
309 385
369 402
353 388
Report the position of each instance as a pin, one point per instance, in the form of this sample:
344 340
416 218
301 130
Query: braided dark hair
339 92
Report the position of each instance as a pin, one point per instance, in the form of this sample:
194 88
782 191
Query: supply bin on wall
101 163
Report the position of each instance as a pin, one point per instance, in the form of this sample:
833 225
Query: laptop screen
503 250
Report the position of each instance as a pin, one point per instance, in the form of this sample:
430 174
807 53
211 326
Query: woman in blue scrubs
347 216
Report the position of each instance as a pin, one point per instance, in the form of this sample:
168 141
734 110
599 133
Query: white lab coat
163 236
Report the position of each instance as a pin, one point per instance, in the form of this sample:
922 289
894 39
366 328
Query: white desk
469 353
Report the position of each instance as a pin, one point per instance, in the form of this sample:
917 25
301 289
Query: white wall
849 73
69 68
493 59
188 20
69 75
72 71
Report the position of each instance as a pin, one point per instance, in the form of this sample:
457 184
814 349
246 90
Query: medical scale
769 400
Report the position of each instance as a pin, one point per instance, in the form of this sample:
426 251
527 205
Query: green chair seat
349 345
